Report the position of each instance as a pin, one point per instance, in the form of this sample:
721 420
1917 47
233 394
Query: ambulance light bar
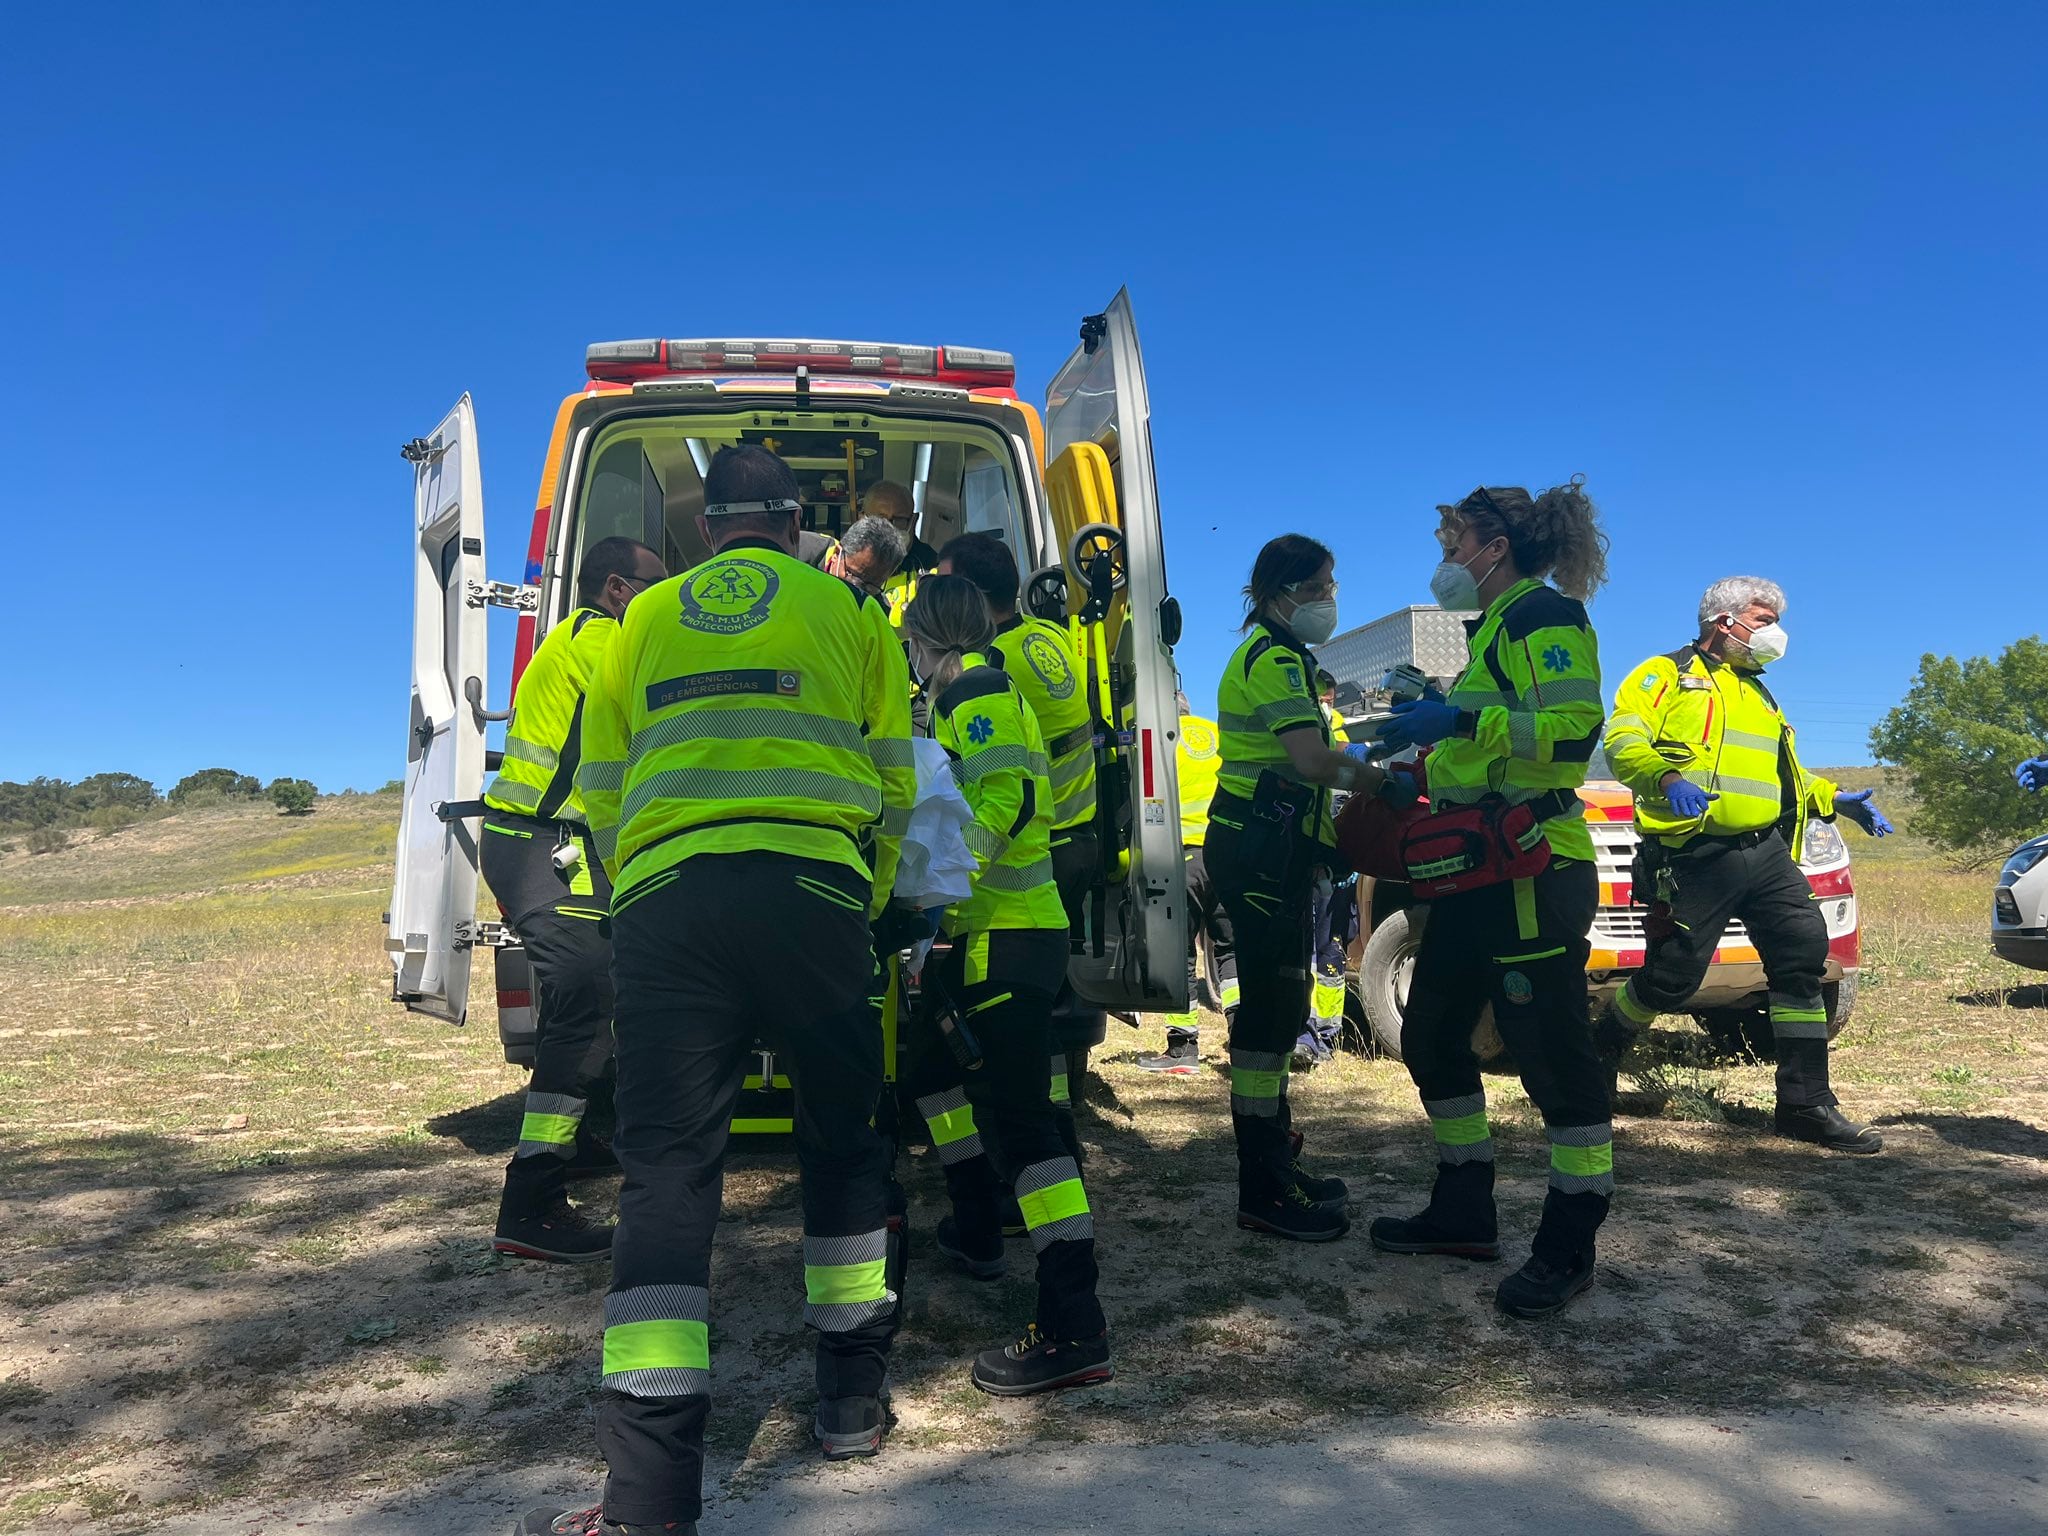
625 362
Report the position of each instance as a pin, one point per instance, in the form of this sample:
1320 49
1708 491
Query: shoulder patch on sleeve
1543 608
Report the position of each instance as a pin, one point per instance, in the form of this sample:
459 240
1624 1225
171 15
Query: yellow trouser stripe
1461 1130
663 1343
1586 1162
836 1284
951 1125
556 1130
1056 1202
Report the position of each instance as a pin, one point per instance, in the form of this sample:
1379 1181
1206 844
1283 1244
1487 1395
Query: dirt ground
245 1202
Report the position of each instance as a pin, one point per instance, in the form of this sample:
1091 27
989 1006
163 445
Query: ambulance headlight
1824 846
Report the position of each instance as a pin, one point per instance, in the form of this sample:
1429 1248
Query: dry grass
307 1301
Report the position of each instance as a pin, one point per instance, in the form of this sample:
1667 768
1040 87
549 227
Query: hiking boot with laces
589 1522
1038 1364
846 1427
1182 1056
1540 1288
980 1257
1418 1234
1326 1190
1290 1212
559 1235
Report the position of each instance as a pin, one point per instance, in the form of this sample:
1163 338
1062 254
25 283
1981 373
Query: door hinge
475 935
503 594
420 451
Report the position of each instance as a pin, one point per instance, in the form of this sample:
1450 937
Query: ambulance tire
1747 1031
1384 972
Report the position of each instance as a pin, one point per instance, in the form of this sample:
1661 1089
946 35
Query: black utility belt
1749 839
1071 741
462 810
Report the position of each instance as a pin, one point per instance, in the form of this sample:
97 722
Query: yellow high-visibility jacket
753 702
543 739
1268 688
1530 695
1721 728
1201 755
999 757
1039 658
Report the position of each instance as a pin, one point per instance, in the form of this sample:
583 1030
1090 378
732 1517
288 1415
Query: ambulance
1069 488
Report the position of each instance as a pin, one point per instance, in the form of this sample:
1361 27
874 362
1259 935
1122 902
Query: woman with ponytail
1510 748
1007 958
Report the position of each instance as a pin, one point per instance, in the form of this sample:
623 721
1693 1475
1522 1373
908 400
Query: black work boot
1282 1208
588 1522
1038 1364
1826 1126
558 1234
846 1427
1422 1234
1324 1190
980 1253
1182 1056
1541 1287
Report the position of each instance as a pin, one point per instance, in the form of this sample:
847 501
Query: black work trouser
704 966
562 917
1000 985
1269 928
1520 946
1711 880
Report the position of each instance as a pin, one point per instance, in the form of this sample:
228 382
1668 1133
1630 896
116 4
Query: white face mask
1313 623
1455 587
1765 645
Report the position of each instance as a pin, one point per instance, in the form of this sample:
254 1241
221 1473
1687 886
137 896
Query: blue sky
1772 278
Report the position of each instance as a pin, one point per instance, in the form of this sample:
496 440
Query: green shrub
48 840
293 796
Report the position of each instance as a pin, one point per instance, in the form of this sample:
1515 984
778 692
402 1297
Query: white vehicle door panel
1098 397
432 920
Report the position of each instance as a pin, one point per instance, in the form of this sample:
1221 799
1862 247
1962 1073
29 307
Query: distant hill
208 850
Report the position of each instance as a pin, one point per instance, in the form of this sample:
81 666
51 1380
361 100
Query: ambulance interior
646 477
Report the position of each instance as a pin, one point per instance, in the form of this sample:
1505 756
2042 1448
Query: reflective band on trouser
1054 1204
1329 999
1626 1001
1808 1023
1230 994
844 1284
1192 1019
550 1125
1459 1125
1582 1159
1059 1079
952 1125
1258 1081
656 1343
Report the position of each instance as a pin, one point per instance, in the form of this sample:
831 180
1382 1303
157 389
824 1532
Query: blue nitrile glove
1419 723
2033 773
1855 804
1362 750
1687 798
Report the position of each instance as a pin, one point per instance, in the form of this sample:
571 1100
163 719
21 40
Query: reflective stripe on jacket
1532 686
753 702
1039 658
999 758
1268 689
544 738
1723 730
1201 754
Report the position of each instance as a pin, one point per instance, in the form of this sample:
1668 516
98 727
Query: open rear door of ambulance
1105 506
432 921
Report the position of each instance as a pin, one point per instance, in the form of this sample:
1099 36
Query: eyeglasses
1313 590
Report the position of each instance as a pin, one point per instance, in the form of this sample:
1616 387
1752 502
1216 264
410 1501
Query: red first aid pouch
1463 847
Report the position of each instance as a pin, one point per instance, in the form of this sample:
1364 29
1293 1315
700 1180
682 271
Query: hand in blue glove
2033 773
1855 804
1362 750
1418 723
1687 798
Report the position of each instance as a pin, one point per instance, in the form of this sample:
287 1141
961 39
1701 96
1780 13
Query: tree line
47 810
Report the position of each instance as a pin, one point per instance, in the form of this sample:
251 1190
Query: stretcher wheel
1045 595
1093 540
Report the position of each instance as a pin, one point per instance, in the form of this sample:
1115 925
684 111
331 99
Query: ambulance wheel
1091 540
1385 972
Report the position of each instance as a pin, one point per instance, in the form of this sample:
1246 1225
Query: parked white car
2019 907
